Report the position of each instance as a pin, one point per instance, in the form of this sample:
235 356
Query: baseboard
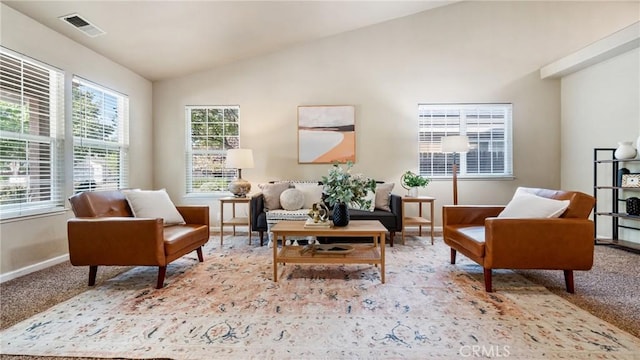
33 268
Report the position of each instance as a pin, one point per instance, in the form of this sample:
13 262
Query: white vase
625 151
413 191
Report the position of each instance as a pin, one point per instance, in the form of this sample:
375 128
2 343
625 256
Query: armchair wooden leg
453 255
568 280
93 270
199 251
487 280
162 271
391 234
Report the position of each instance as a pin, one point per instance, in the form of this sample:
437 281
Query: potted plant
342 188
412 182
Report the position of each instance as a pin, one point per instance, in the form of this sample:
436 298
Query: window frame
55 140
226 175
115 179
430 140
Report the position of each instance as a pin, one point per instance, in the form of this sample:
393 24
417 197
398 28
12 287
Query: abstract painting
326 134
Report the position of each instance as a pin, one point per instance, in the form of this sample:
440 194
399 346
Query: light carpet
228 307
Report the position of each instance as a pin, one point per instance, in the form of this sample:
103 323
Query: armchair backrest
107 203
580 205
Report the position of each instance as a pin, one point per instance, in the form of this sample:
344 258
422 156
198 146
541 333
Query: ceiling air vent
83 25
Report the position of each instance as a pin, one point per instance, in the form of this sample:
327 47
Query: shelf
621 243
619 215
611 161
616 188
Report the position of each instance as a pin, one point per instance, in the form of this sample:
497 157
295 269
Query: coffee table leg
275 255
382 246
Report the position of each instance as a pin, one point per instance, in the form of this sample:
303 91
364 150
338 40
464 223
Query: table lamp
239 159
455 145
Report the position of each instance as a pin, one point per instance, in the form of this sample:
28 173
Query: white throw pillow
153 204
312 193
525 205
292 199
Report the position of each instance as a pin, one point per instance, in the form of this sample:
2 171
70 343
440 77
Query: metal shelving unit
613 211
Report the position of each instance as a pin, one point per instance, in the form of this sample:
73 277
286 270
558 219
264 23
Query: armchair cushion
527 205
153 204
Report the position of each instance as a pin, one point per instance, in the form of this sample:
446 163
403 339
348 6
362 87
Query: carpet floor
228 307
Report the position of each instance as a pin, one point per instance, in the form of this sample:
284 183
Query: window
31 136
488 127
100 137
211 131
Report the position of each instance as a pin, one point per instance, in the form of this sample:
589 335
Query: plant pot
413 191
340 215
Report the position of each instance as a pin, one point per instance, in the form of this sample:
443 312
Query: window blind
31 136
488 127
100 137
211 131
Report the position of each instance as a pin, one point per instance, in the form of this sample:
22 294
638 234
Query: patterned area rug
228 307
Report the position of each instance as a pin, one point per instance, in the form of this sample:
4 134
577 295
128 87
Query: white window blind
31 136
100 137
211 131
488 127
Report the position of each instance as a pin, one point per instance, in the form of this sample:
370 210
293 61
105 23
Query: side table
235 221
417 220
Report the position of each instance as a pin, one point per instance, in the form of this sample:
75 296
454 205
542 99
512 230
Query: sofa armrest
468 215
395 204
116 241
194 214
557 243
257 207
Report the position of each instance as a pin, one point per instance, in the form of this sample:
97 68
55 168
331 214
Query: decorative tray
333 249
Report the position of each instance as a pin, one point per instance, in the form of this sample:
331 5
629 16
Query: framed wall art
631 180
326 134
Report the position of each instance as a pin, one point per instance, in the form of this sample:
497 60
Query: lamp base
239 187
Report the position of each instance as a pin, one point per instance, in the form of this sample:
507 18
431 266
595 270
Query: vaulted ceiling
165 39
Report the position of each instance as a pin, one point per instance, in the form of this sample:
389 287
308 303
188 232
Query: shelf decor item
631 180
412 182
625 151
633 206
343 189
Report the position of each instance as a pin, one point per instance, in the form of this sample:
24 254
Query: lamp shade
455 144
239 159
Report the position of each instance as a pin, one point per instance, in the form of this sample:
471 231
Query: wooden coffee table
372 253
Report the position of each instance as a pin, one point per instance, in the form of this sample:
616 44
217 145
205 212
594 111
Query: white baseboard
33 268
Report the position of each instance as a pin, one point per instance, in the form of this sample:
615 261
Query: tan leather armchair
565 243
104 232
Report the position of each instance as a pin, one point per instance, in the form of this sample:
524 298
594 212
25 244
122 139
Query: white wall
600 107
30 241
466 52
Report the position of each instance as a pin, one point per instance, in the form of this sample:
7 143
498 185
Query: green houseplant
412 181
343 189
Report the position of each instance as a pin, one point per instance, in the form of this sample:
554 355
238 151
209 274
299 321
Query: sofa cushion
271 193
470 238
312 193
292 199
153 204
526 205
383 196
388 219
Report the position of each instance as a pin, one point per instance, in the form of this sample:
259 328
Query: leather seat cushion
180 237
468 237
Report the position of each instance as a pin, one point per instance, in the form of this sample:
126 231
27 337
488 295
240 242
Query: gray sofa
391 220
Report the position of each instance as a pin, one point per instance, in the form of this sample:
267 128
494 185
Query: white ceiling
165 39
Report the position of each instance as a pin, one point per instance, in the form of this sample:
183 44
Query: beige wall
600 107
466 52
39 241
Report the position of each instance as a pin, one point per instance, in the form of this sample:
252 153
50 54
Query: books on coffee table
321 224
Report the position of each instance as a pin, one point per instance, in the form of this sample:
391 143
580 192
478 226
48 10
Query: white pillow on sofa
526 205
153 204
312 193
292 199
